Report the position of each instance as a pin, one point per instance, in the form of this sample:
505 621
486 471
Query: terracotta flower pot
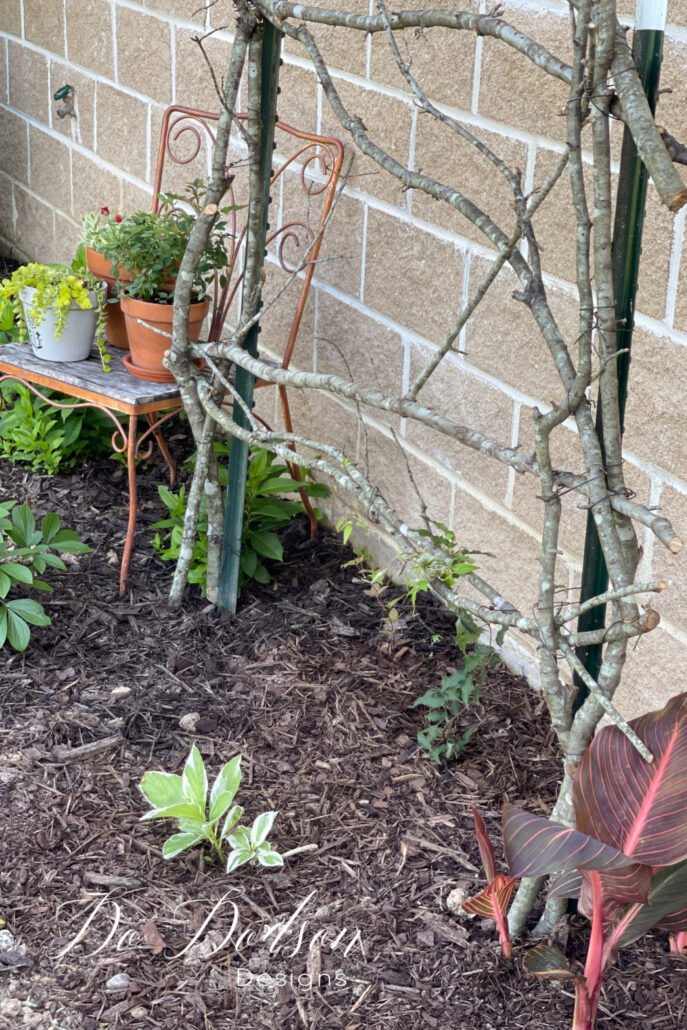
147 346
115 329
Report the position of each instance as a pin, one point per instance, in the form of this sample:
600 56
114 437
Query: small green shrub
49 439
185 798
264 513
26 550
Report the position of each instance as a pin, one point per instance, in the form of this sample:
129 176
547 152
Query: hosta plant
215 819
26 551
626 860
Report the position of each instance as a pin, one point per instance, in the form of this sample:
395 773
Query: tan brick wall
399 265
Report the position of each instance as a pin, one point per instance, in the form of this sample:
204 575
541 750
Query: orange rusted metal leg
133 503
164 449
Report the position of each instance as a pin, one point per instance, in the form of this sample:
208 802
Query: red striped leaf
485 849
619 887
536 846
548 963
493 899
667 907
566 885
640 808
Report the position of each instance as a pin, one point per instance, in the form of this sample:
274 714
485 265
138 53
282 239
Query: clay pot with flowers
148 246
100 231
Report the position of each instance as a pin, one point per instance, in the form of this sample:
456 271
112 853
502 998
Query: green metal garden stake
647 48
238 454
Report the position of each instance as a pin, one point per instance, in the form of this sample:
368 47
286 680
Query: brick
341 48
513 90
3 71
126 150
321 418
453 391
356 347
183 10
89 35
388 123
28 76
67 234
672 568
135 198
388 471
566 454
654 419
81 128
297 102
183 167
654 267
277 322
194 86
446 156
144 54
649 677
514 569
50 170
672 106
6 207
10 17
442 60
554 223
93 187
680 321
14 146
503 339
412 277
341 251
35 233
44 24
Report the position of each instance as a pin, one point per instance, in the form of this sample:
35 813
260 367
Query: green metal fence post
647 48
238 455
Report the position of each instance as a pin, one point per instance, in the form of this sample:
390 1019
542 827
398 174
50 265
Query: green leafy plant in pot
149 246
60 310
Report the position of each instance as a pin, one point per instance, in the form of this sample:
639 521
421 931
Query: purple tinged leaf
485 847
639 808
536 846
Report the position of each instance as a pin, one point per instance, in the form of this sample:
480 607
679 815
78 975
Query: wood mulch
306 684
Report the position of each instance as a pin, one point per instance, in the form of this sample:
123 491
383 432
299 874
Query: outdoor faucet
65 93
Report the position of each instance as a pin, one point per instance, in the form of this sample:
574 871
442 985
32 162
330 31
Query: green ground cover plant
26 551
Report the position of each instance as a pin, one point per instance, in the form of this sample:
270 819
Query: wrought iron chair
306 160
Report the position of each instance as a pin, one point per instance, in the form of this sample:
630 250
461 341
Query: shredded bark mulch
310 687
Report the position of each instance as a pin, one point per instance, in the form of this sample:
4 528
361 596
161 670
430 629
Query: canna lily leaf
667 907
535 846
640 808
548 963
485 849
493 899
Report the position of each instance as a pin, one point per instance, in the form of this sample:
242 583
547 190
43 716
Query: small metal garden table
115 393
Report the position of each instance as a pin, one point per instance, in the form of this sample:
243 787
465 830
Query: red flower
104 210
118 218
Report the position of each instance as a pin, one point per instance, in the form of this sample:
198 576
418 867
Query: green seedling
216 819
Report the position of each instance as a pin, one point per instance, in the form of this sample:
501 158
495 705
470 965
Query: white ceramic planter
78 334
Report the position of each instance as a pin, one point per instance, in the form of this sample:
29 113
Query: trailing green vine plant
441 739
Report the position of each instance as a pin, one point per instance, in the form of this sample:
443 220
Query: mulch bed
308 686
